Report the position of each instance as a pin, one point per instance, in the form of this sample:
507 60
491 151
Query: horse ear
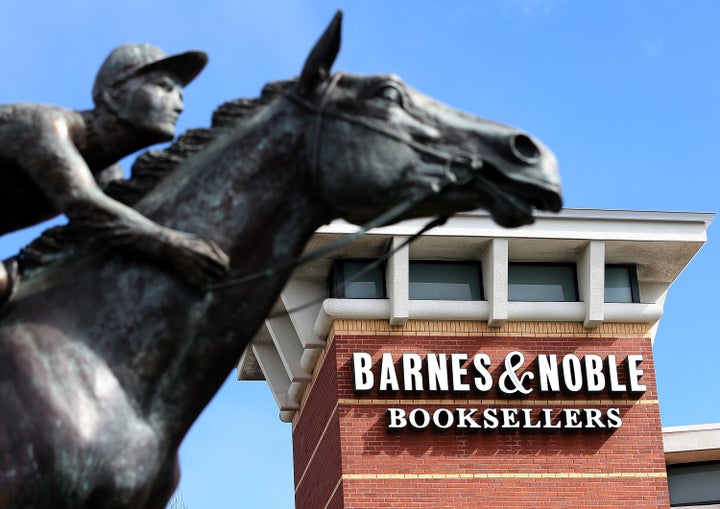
321 58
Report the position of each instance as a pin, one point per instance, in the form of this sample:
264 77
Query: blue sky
627 94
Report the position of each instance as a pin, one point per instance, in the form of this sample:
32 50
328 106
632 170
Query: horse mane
61 242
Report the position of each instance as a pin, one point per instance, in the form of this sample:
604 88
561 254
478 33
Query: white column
495 279
397 278
591 282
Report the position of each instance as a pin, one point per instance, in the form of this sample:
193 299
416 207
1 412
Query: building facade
479 366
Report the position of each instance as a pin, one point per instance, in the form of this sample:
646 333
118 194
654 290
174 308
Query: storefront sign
461 376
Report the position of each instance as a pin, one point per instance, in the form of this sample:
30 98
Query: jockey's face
151 103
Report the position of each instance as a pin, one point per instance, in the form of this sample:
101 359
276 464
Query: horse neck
249 191
263 220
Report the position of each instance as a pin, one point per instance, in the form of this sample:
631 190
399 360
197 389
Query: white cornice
586 224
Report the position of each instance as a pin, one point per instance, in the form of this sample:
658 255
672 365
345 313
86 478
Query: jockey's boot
8 279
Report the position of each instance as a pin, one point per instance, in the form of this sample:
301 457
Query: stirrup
11 280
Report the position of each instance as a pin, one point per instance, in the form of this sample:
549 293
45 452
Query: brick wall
345 457
316 442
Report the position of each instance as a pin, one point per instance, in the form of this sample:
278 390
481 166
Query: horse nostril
524 148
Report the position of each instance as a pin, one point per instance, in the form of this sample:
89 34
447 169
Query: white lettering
594 373
572 373
504 418
547 420
388 377
413 418
572 418
437 372
592 418
614 419
483 382
445 372
443 418
456 362
510 418
363 378
412 372
548 373
615 385
465 420
396 418
490 420
527 419
635 373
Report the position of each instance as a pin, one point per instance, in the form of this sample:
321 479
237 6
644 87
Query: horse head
377 134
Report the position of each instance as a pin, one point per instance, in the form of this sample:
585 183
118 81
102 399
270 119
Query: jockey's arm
59 170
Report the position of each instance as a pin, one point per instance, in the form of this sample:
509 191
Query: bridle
466 159
448 178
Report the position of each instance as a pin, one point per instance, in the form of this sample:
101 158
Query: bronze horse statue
107 360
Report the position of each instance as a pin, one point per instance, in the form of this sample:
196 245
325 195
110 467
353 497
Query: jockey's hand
198 260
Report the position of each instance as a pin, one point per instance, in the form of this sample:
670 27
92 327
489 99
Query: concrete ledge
379 309
692 444
633 313
367 309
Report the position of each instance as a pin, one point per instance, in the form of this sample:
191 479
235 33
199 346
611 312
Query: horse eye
390 93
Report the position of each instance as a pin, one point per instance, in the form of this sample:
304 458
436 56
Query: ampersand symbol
511 367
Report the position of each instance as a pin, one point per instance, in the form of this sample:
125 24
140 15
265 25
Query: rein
466 160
